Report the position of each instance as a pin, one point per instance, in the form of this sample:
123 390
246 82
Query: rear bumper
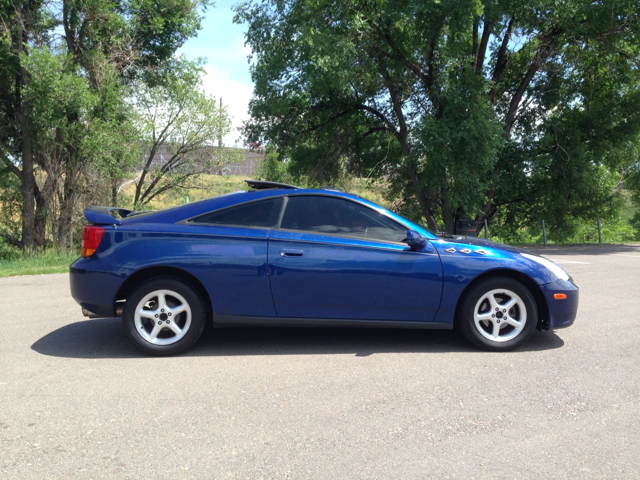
562 313
94 286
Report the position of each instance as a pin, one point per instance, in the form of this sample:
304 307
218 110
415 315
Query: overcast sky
221 42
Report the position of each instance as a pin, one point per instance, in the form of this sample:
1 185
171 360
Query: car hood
482 242
459 263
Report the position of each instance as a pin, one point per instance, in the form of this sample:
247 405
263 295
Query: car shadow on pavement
104 338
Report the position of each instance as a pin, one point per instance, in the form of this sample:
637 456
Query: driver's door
337 259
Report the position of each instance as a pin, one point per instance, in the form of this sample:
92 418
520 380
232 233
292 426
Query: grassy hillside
214 185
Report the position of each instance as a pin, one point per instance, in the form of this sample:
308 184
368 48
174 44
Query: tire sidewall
198 315
465 315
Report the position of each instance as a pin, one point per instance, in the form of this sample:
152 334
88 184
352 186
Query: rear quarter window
260 214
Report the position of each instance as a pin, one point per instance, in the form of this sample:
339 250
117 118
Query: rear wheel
164 316
498 314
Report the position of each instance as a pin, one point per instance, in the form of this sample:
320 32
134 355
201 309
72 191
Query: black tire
158 318
515 323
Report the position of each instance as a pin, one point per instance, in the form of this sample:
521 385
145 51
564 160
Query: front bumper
562 313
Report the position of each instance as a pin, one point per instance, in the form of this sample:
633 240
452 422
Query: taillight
91 236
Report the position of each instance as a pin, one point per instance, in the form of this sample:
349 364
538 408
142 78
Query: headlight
557 270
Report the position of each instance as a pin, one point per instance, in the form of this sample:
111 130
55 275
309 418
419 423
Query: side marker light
559 296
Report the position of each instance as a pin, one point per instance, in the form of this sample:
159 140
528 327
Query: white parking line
570 261
623 255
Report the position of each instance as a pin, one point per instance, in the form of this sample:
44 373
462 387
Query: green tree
75 127
466 107
22 22
173 112
631 178
104 43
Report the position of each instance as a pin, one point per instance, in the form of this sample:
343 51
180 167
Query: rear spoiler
103 215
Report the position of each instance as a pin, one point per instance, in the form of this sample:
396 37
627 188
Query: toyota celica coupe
288 256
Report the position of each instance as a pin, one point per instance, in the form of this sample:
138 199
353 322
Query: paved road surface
77 401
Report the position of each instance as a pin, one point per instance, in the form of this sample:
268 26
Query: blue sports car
282 255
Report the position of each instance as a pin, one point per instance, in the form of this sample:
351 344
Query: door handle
288 252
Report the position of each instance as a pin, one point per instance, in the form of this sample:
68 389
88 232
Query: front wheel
164 316
497 314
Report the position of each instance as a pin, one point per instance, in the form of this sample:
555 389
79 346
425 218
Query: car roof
189 210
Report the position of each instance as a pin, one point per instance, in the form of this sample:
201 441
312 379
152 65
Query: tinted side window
264 213
340 217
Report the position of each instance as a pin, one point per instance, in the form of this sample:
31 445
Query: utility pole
599 233
220 136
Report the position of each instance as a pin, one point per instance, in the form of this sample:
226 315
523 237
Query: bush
613 231
272 169
583 231
8 252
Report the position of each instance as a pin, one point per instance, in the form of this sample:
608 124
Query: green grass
37 264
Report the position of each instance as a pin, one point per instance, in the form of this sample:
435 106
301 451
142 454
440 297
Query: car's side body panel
322 276
231 263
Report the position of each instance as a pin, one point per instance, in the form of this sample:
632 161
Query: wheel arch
527 281
148 273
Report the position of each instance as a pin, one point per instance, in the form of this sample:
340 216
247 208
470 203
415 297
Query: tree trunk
448 218
545 48
27 179
39 240
67 200
44 207
28 183
114 193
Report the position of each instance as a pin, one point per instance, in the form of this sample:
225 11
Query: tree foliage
469 108
65 75
174 112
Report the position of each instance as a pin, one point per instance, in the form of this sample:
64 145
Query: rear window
263 213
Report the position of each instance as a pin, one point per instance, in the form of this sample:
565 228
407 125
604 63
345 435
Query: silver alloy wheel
500 315
162 317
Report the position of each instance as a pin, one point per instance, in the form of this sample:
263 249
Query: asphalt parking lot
78 401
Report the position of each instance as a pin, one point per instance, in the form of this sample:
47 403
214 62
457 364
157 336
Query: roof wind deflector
261 185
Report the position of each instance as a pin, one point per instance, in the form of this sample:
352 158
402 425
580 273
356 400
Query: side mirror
415 241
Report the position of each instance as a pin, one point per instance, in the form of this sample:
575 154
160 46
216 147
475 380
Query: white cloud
235 95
